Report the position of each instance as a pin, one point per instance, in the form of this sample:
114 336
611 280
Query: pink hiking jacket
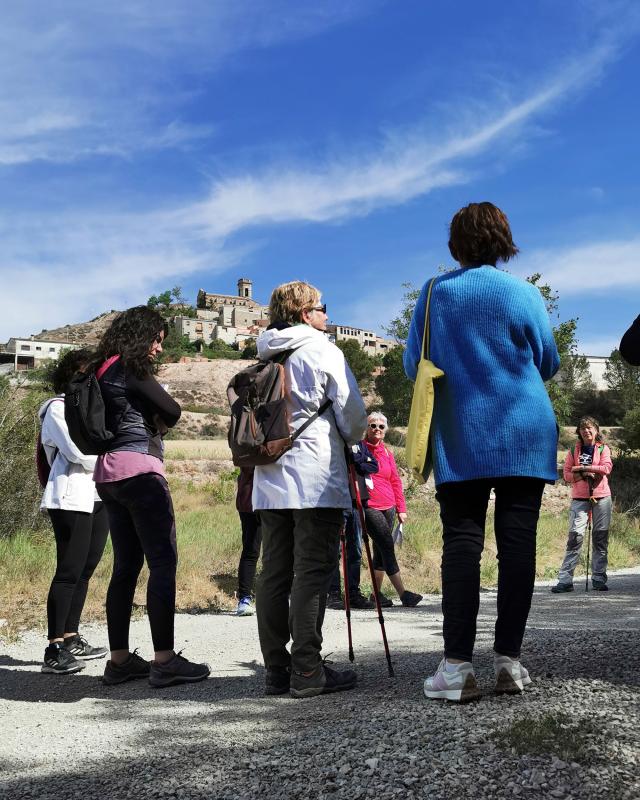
602 466
387 486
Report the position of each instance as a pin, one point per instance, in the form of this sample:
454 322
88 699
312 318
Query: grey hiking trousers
578 517
299 557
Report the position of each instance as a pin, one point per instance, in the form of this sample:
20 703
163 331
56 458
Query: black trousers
80 540
380 528
142 526
251 541
463 510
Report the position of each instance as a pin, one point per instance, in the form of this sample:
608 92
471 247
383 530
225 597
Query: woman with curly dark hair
131 482
493 428
79 521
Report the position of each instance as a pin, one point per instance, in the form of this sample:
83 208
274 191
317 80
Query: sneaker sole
161 683
53 671
469 692
89 658
124 679
314 691
243 614
507 684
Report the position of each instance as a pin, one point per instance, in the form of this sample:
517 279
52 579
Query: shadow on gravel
8 661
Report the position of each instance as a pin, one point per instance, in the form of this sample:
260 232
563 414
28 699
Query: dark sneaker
358 600
599 586
410 599
134 667
385 602
560 588
277 680
334 601
79 647
323 680
59 661
177 670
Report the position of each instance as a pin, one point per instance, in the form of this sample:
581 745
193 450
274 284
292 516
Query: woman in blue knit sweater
493 428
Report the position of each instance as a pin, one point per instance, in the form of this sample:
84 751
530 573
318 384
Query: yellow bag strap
426 333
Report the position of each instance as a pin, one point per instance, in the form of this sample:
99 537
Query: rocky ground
573 734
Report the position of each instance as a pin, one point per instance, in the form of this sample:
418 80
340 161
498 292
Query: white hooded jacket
313 474
70 485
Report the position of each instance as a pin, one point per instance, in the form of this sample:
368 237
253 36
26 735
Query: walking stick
592 502
345 576
355 489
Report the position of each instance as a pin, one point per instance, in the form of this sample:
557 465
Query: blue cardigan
491 335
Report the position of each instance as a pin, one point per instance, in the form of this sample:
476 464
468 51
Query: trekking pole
365 537
347 603
592 502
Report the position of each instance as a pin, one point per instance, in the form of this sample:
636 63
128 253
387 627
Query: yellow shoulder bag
417 446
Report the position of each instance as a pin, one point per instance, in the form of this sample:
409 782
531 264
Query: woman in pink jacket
586 468
385 498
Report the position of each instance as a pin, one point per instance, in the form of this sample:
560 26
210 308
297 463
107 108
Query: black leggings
80 540
142 525
251 541
380 528
463 510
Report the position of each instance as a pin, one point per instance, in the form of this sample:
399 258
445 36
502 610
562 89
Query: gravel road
73 737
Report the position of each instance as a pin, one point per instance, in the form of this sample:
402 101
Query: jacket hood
43 408
273 342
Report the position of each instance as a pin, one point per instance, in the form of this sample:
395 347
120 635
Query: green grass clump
555 734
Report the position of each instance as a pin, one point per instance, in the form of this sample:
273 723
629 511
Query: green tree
623 381
359 362
395 389
171 303
399 326
250 349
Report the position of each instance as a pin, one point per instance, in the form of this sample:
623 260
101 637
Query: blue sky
149 144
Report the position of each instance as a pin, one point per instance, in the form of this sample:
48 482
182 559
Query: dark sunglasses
374 427
319 308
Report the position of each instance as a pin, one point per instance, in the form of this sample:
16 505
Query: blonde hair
289 300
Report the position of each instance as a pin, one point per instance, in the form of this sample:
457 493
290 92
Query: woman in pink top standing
586 468
385 498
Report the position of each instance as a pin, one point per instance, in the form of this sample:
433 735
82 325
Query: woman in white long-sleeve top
80 527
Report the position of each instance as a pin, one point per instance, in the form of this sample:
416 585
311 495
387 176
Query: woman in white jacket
301 497
80 526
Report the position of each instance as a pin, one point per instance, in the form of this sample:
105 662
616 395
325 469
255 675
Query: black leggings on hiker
380 529
463 510
142 526
251 541
80 540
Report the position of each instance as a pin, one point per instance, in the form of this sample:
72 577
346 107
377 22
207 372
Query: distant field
181 449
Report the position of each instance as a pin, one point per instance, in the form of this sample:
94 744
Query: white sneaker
244 608
460 685
511 676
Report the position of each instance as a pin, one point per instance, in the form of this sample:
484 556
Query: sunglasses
319 308
375 427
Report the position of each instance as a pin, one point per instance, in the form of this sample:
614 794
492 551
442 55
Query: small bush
551 734
631 430
625 484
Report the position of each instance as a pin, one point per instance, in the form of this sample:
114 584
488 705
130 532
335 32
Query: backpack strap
311 419
426 333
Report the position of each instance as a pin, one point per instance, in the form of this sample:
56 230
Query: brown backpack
260 428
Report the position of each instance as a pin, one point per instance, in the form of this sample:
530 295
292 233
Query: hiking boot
385 602
460 686
59 661
560 588
134 667
410 599
277 680
79 647
511 676
177 670
599 586
358 600
244 607
323 680
334 601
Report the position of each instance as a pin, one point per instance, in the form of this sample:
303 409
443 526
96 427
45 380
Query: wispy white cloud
404 165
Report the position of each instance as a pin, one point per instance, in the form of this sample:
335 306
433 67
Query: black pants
251 541
299 554
142 525
380 527
80 540
353 542
463 510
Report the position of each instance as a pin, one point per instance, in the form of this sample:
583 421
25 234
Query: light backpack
260 429
43 467
417 444
84 412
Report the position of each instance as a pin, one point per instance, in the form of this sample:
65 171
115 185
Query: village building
29 352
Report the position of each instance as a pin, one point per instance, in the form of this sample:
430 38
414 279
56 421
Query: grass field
209 547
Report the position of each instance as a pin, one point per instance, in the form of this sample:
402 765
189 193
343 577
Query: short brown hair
480 234
589 421
289 300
